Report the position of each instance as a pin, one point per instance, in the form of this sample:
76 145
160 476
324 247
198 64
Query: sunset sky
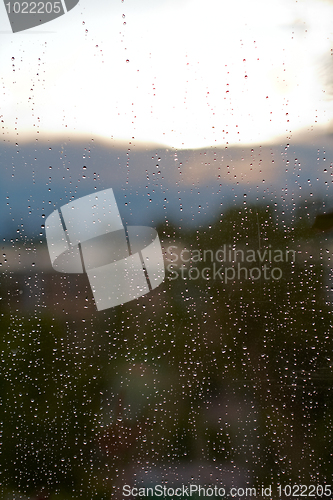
185 74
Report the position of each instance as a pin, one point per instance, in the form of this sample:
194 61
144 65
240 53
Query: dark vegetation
234 375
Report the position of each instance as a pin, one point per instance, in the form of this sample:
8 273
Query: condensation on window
166 251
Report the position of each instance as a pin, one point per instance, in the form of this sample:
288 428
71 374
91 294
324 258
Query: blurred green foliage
235 374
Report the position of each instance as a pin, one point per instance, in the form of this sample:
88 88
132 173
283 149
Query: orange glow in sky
185 74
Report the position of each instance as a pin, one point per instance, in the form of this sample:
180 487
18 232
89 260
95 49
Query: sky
184 74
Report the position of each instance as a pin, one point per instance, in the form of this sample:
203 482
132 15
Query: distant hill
152 184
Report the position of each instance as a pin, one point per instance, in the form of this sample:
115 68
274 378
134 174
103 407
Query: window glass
166 249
